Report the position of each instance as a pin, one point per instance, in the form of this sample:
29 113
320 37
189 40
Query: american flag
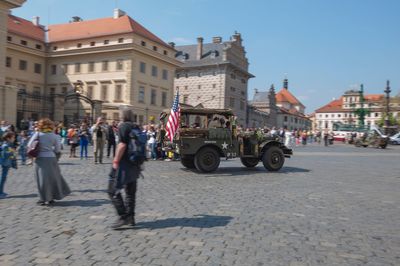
173 120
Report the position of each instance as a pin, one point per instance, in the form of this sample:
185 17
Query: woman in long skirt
50 182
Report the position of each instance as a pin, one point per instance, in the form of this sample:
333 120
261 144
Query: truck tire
250 162
188 162
273 158
207 160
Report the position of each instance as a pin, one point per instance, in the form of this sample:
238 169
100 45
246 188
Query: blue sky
324 46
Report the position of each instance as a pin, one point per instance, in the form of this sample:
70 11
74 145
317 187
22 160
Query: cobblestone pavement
328 206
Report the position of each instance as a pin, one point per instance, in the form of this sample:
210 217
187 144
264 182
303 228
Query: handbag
33 149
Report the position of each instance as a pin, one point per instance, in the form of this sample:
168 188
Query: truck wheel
249 162
207 160
273 158
188 162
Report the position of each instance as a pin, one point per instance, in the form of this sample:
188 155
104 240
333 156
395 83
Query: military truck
373 137
207 135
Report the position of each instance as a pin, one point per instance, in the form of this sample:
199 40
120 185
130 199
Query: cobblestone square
328 206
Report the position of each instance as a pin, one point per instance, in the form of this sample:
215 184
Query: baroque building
110 62
214 75
342 110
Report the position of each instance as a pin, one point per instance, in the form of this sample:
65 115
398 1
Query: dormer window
38 46
9 38
143 43
214 54
165 52
92 43
23 42
106 41
79 45
155 48
120 40
55 48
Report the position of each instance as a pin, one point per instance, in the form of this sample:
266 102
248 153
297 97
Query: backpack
137 146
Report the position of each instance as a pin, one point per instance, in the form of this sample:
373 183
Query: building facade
8 94
214 75
285 110
343 110
113 61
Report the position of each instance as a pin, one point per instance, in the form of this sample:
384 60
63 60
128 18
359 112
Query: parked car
374 138
339 136
395 139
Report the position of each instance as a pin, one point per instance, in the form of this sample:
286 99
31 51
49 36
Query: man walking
99 135
111 139
124 174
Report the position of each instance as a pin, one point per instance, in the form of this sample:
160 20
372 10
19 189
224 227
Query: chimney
118 13
35 20
199 53
237 37
172 44
217 39
286 84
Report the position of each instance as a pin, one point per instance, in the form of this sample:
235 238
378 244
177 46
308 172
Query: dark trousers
125 208
110 144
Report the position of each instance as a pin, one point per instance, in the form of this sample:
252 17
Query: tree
392 120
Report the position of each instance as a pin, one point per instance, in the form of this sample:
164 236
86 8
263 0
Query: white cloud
182 40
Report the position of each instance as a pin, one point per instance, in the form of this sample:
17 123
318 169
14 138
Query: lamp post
78 90
387 92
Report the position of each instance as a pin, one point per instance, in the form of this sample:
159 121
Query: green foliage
393 121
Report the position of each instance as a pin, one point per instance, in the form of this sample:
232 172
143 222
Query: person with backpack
99 135
126 168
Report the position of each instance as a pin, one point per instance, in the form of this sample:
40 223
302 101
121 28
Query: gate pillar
97 108
58 107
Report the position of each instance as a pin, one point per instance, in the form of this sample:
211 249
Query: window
8 61
118 92
9 38
295 120
77 67
55 48
22 65
120 64
199 74
54 69
143 43
199 87
178 75
36 91
65 68
52 90
116 116
153 98
143 67
104 90
242 93
154 71
231 102
243 81
376 114
90 92
106 41
233 89
105 66
92 43
233 76
120 40
23 42
64 90
165 74
241 105
214 86
185 98
79 45
38 46
285 118
91 67
141 95
186 87
165 52
326 116
164 99
155 48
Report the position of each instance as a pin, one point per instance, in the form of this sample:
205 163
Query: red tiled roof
333 106
25 28
285 96
99 27
292 111
374 97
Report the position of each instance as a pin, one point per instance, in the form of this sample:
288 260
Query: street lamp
387 92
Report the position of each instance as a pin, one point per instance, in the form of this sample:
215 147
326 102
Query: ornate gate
78 108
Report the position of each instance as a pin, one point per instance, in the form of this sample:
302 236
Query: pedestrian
23 143
111 142
7 159
73 137
51 184
124 173
152 145
99 135
326 136
84 140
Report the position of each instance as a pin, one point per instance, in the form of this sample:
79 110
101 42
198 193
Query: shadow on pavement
199 221
240 171
90 190
22 196
82 203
